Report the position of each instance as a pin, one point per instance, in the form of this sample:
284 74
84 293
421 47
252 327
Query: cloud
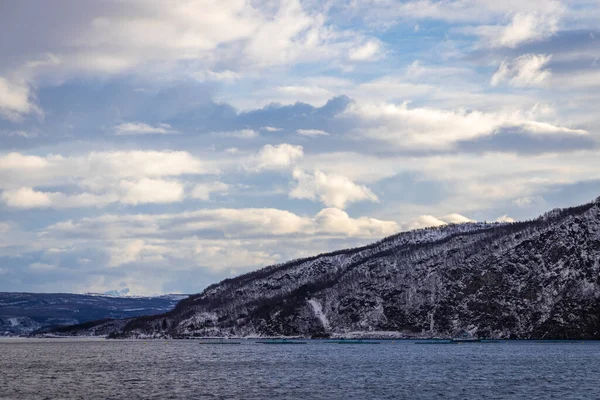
528 21
278 157
524 27
426 221
527 27
455 219
214 240
15 100
423 221
312 132
128 192
96 168
26 198
206 39
220 76
332 190
139 128
504 218
247 223
389 12
239 134
291 94
367 52
528 201
96 179
130 251
151 191
336 221
524 71
271 129
429 128
203 191
29 198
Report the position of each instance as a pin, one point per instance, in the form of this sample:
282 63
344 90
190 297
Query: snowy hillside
532 279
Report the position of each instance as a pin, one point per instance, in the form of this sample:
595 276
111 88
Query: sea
400 369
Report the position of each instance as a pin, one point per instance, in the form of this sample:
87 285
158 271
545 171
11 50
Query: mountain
23 313
531 279
125 292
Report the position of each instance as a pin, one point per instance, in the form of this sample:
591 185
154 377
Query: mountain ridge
22 313
531 279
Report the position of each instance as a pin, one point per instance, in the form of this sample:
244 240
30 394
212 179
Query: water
99 369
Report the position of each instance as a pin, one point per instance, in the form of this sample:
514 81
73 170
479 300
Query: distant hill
23 313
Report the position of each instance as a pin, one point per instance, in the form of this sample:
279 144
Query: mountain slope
22 313
533 279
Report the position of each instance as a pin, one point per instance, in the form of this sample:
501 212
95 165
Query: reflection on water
99 369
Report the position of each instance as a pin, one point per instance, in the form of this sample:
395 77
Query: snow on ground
318 310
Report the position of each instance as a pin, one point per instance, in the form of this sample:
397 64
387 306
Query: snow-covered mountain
531 279
23 313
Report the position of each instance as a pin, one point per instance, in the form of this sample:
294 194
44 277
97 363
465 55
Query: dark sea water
102 369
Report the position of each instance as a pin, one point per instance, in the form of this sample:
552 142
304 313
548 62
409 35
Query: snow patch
318 310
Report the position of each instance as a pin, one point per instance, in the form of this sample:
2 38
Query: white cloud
215 255
543 128
351 165
336 221
528 201
144 163
244 223
423 221
278 157
98 179
312 132
524 27
15 100
271 129
239 134
206 39
220 76
429 128
311 94
332 190
524 71
26 198
217 240
369 51
203 191
129 192
96 168
14 161
527 27
151 191
426 221
455 219
126 252
139 128
504 218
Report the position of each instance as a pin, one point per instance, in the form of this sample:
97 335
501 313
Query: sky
164 146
